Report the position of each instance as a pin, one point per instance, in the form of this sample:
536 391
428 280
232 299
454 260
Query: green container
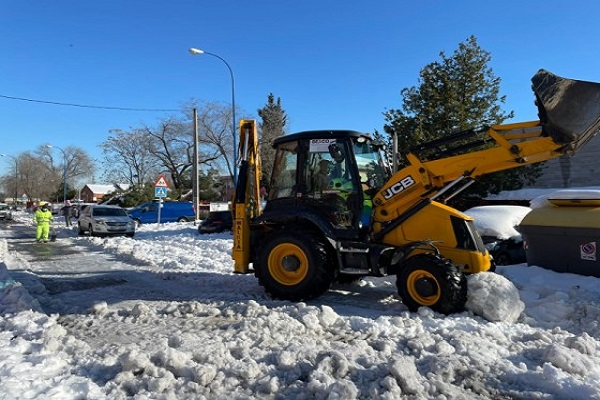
563 239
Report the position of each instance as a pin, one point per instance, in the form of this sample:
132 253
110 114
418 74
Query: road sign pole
159 209
160 191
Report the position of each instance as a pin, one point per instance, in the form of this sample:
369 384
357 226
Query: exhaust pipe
568 109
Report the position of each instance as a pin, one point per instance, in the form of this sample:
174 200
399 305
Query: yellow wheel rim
418 281
288 264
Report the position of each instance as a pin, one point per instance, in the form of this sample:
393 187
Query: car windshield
109 212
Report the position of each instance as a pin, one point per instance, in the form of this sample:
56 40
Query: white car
5 212
102 220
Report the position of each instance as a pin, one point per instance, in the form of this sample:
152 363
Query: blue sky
334 64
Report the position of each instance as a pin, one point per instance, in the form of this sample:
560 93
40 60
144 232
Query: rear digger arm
569 112
246 200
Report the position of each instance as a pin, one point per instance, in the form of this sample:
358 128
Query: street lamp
195 51
16 178
64 154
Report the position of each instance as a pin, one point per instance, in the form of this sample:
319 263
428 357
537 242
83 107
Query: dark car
217 221
497 225
506 251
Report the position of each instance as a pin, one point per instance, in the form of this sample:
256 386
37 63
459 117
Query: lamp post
196 186
64 154
195 51
16 178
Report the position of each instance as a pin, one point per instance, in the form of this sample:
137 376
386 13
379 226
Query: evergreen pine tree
272 126
454 94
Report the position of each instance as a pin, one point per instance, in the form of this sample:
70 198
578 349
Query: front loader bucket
569 110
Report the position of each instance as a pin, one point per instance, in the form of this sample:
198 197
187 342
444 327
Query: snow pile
13 297
166 319
493 297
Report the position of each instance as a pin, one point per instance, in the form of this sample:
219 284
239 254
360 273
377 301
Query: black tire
428 280
294 266
80 230
183 219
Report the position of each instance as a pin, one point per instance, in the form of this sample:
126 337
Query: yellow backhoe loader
335 211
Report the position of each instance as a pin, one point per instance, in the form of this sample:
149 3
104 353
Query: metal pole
64 154
233 125
16 188
64 179
196 186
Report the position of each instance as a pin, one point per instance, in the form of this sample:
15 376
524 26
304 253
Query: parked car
497 226
101 220
216 221
507 251
55 208
79 207
171 211
5 212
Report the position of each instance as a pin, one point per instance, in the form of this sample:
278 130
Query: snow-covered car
496 225
5 212
101 220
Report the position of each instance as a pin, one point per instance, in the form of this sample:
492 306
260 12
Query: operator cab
328 178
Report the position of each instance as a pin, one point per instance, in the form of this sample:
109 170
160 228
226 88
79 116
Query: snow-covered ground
171 321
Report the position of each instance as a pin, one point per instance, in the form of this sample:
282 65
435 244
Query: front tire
294 266
428 280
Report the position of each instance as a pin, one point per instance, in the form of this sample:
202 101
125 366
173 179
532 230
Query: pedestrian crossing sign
161 182
160 192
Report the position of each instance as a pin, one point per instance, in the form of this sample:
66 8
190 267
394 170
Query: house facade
93 193
579 170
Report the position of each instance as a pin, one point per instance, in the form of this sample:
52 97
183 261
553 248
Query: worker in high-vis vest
42 218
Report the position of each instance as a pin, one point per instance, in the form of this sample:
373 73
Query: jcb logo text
398 187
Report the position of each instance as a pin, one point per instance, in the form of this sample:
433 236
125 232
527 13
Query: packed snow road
161 316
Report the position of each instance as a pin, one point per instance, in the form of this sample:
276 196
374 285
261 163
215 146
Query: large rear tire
294 266
428 280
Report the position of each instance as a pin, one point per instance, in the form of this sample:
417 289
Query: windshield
372 165
109 212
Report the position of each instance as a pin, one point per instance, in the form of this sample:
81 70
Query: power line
85 106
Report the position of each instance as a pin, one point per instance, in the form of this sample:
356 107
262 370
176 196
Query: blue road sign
160 192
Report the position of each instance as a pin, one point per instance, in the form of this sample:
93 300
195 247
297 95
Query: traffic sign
161 182
160 192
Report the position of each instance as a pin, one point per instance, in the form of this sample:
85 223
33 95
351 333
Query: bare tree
35 178
127 157
68 165
215 135
171 144
138 154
